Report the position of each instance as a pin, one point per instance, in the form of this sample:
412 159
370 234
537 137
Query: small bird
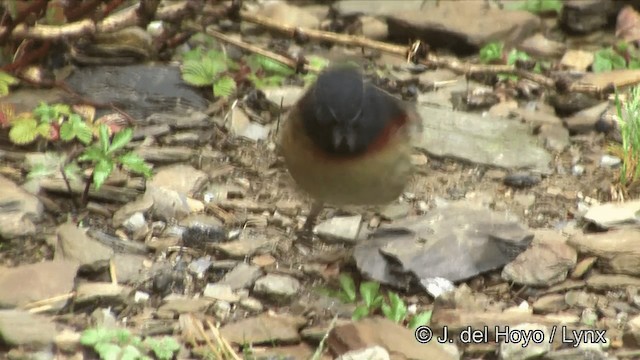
347 142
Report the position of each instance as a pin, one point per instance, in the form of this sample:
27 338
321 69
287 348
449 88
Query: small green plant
106 154
608 59
491 53
494 53
372 300
51 164
6 81
536 6
629 124
209 69
120 344
49 121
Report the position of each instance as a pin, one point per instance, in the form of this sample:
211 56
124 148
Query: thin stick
447 62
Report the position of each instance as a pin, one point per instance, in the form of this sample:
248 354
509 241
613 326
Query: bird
348 142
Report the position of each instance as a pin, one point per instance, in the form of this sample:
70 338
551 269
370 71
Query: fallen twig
427 58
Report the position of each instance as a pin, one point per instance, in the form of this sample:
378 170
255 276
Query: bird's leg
316 208
307 229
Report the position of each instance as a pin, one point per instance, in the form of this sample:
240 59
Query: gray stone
21 328
454 242
481 140
184 179
277 287
242 276
543 264
220 292
35 282
75 245
283 95
19 210
340 229
614 214
463 27
264 329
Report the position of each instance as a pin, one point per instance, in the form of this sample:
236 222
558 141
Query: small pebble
609 161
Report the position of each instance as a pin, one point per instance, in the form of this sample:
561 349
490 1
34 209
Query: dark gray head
343 114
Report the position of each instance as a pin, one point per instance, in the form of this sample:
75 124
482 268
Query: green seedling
120 344
105 155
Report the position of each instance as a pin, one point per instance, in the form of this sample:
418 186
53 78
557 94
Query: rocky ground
515 218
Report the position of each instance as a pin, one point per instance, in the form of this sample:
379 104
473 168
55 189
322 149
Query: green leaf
163 348
195 73
423 318
44 130
224 87
93 154
348 287
108 351
39 171
360 312
515 55
395 310
101 172
133 162
6 80
369 290
23 131
130 352
607 60
535 6
72 171
104 138
84 133
491 52
66 131
258 62
120 140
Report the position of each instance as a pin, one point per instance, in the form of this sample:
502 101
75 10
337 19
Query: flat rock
285 95
129 267
463 26
396 339
617 251
584 121
21 328
34 282
168 205
340 229
264 329
482 140
584 16
279 288
287 14
374 7
182 306
540 46
139 90
142 204
241 126
543 264
612 282
220 292
616 214
103 292
549 304
19 210
454 242
182 178
247 245
75 245
242 276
